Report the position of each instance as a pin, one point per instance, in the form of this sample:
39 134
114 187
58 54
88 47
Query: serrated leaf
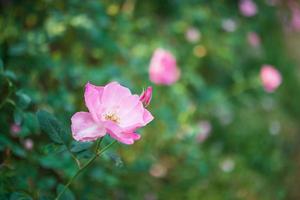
53 148
67 195
52 127
19 196
80 146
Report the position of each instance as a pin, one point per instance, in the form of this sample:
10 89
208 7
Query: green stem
75 159
84 167
98 145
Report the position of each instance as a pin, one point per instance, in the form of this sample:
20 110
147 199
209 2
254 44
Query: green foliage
50 49
77 147
52 127
19 196
67 195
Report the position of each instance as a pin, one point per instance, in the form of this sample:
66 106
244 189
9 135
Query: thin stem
98 145
76 160
73 156
84 167
105 148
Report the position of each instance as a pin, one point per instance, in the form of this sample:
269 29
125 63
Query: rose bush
218 132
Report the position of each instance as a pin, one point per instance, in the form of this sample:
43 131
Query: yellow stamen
112 117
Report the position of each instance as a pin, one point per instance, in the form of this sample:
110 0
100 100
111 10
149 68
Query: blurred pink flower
247 8
163 68
146 96
112 109
253 39
15 129
295 21
270 77
204 131
28 144
192 35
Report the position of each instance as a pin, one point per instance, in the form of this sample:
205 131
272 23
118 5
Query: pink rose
253 39
247 8
270 77
163 69
113 110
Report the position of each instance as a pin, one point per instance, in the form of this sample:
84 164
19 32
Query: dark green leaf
52 127
23 100
31 122
19 196
5 142
80 146
85 154
67 195
53 148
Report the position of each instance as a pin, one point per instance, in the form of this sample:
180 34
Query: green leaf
23 100
19 196
85 154
18 116
10 74
52 127
5 142
53 148
31 122
67 195
80 146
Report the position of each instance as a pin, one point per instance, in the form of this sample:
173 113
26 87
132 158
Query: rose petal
147 117
113 93
117 133
134 116
132 135
92 96
128 104
84 128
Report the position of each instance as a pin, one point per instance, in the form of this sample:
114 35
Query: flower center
112 117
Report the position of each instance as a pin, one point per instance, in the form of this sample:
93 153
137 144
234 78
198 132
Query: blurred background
222 129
